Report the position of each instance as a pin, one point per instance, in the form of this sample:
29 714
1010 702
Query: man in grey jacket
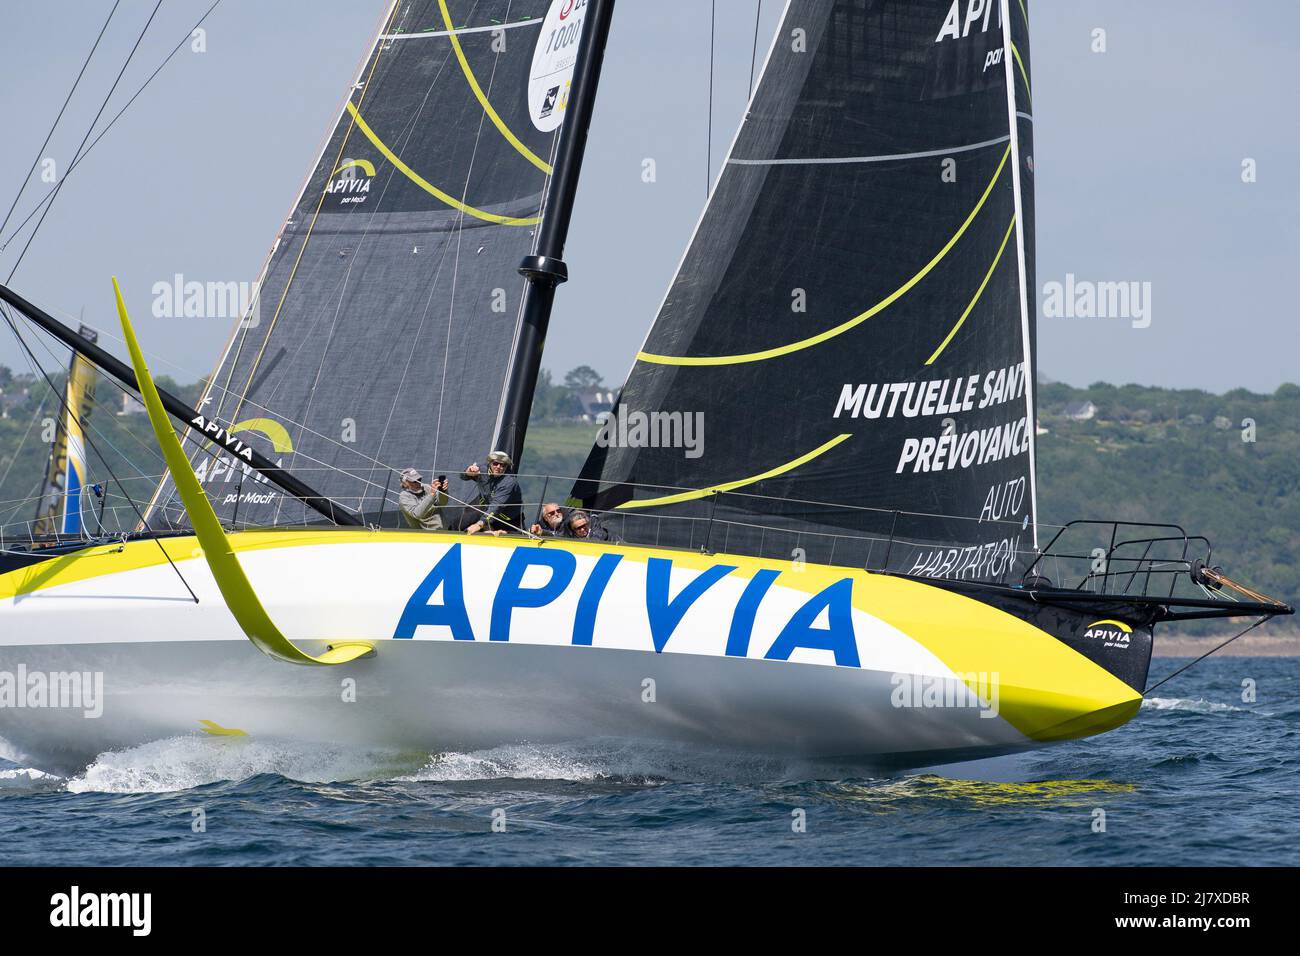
422 504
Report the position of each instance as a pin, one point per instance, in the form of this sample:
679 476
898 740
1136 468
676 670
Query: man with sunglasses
499 507
580 526
552 522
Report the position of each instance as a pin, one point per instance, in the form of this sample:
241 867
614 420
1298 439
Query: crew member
499 506
422 504
580 526
552 523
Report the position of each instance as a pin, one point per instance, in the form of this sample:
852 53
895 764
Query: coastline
1252 645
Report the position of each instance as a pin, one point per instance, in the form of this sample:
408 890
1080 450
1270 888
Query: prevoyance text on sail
948 396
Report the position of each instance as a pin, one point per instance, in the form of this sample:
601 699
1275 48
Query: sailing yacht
847 566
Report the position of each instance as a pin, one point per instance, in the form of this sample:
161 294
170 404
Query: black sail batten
384 317
838 371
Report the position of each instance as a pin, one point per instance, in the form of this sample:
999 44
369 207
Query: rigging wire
1207 654
67 409
49 197
77 155
708 153
753 56
68 99
18 454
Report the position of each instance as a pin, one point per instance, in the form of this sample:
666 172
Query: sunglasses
551 514
579 527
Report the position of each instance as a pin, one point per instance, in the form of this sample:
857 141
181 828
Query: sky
1139 154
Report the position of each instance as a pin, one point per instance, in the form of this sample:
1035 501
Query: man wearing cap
422 504
499 507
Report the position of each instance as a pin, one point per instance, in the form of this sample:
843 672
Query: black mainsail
845 355
384 318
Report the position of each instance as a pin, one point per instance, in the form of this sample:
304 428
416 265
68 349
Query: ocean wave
28 780
182 763
1197 705
615 761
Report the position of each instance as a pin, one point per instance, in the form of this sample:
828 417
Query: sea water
1206 774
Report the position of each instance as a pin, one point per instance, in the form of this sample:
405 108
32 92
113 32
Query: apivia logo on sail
978 15
350 183
213 468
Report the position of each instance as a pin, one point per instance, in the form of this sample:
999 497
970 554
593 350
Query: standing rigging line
68 99
67 409
49 197
753 56
77 155
1205 655
708 154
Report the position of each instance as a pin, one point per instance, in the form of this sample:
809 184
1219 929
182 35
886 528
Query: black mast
191 418
545 269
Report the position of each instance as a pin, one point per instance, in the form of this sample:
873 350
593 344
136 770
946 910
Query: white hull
168 664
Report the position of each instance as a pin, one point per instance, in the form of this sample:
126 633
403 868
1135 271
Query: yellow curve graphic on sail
273 430
497 121
844 326
217 549
429 187
365 165
978 292
738 483
1021 63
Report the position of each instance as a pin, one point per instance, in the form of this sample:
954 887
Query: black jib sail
383 320
842 367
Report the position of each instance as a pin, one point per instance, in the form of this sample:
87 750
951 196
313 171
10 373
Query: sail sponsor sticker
553 60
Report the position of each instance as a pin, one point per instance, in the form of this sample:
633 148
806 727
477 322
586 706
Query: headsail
844 339
384 317
59 510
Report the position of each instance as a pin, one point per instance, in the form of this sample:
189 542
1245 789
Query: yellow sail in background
59 511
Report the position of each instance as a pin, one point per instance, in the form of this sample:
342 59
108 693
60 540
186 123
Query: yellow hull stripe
978 292
696 360
732 485
497 121
1046 690
429 187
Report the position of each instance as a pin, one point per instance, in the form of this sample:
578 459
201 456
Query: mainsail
59 509
384 317
842 367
